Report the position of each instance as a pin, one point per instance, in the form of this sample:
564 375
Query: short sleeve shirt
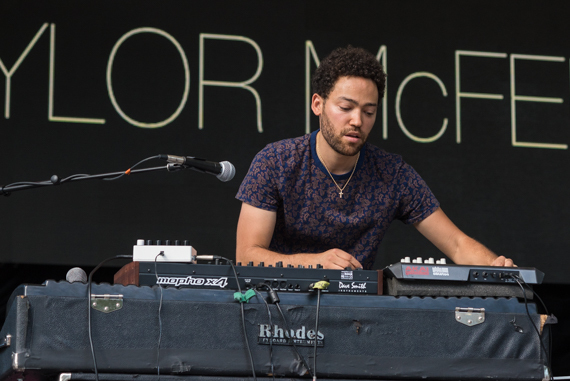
287 177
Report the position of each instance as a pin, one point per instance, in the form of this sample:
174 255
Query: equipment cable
89 329
320 285
159 315
547 354
316 334
55 180
301 358
554 320
272 365
212 257
128 171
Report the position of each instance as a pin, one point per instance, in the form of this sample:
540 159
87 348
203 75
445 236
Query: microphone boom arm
55 180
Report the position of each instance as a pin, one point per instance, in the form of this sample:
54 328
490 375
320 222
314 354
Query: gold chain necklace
329 172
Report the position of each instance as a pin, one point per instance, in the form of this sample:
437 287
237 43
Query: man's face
348 114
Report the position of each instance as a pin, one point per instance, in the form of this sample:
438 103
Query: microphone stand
55 180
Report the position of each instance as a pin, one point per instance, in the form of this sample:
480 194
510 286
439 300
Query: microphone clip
174 167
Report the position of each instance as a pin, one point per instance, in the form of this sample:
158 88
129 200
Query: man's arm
459 247
254 233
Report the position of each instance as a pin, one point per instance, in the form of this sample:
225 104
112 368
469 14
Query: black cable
548 326
72 177
128 170
271 325
89 308
301 358
38 183
159 316
547 354
30 183
55 180
316 334
210 257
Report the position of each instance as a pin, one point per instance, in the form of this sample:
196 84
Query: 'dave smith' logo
280 336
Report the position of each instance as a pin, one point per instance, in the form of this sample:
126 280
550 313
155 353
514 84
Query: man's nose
356 118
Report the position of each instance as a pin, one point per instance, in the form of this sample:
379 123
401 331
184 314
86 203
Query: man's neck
336 163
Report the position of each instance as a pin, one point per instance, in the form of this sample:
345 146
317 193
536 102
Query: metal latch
6 341
106 303
469 316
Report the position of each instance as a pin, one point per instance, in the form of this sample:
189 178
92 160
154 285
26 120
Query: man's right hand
337 259
254 232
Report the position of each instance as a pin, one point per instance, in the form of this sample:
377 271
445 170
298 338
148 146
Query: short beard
335 142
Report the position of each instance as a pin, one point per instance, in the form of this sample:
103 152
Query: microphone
224 171
76 274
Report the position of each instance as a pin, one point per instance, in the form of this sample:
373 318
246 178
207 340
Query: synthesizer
221 276
427 270
175 264
437 278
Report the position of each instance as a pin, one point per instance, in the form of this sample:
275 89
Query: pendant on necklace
340 194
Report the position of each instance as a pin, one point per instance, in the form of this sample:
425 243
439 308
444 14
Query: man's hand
337 259
254 232
462 250
503 262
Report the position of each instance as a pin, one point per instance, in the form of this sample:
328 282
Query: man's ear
317 104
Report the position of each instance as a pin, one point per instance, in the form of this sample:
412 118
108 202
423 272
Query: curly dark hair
347 62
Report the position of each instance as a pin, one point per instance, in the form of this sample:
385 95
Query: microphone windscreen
76 274
228 171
